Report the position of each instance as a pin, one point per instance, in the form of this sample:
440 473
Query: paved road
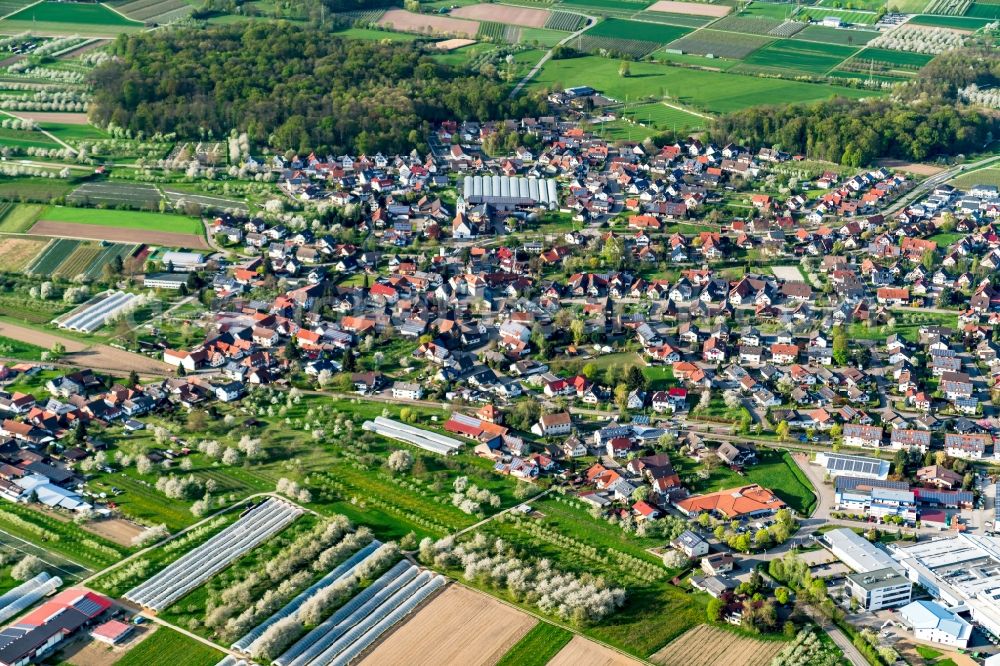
929 184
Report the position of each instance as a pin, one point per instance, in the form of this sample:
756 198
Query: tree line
922 119
290 88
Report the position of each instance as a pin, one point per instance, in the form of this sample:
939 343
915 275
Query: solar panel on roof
87 606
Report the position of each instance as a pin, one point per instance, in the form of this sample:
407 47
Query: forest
291 88
922 120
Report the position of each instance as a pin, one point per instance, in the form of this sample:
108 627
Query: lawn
537 647
797 55
946 239
717 92
775 470
167 646
660 377
124 219
72 12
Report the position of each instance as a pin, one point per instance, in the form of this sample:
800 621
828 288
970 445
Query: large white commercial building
862 467
857 552
962 572
936 624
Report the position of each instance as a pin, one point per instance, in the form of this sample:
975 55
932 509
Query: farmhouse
733 503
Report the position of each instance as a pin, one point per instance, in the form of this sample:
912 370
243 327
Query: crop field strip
54 254
955 22
619 5
16 253
797 56
895 59
845 15
684 20
153 11
948 7
751 25
50 11
845 37
78 262
566 21
985 10
720 44
131 194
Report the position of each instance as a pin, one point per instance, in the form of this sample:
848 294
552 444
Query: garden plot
720 44
708 646
200 564
439 632
356 625
523 16
693 8
428 24
114 194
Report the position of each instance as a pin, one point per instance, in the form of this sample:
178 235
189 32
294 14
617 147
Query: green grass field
958 22
20 350
71 133
791 54
72 12
537 647
541 36
775 10
33 188
376 35
637 30
662 117
18 218
25 139
124 219
716 92
990 176
167 646
984 10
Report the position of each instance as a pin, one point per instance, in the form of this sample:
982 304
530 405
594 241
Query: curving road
548 55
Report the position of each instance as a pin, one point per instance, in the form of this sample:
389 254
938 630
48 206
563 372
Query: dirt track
96 356
581 652
526 16
459 626
98 232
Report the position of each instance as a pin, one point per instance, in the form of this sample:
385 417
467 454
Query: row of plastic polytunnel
246 644
201 563
424 439
356 625
95 316
26 594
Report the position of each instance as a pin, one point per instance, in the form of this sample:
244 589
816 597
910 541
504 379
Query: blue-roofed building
936 624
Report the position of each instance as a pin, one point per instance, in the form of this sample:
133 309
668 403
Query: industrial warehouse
508 193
